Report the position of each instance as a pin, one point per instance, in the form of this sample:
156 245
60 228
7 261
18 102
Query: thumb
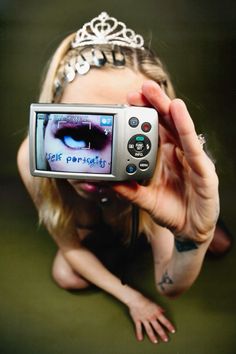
135 193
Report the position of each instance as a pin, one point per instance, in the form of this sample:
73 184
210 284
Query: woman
106 63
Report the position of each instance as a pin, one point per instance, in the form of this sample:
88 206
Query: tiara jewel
107 30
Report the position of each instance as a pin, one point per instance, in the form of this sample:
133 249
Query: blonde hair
60 207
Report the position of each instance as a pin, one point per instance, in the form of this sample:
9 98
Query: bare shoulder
23 153
23 166
23 160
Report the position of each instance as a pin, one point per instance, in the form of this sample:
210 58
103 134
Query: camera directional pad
139 145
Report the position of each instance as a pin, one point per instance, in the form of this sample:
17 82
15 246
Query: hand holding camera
183 194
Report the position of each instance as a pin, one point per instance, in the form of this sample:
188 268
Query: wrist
185 244
130 296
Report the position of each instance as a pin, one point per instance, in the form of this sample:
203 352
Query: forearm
177 274
91 268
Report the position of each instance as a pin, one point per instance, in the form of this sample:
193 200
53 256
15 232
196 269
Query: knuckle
177 101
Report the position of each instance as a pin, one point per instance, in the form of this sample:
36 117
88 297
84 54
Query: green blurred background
197 41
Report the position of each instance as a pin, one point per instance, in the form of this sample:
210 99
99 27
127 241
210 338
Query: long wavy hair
61 209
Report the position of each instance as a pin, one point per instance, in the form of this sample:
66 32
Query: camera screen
74 142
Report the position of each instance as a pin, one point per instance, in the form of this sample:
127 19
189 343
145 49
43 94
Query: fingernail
173 331
155 341
165 339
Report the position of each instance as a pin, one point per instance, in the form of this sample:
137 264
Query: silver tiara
107 30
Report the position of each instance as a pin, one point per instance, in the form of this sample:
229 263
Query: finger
135 193
190 144
166 323
139 331
156 97
167 130
137 99
150 332
159 100
159 330
153 95
185 126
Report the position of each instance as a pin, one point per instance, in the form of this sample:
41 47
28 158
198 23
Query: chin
92 190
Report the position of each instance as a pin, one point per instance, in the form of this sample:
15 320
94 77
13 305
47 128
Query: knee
68 281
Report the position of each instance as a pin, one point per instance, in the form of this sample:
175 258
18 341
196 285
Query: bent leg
65 276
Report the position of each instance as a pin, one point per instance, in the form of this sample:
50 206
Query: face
98 86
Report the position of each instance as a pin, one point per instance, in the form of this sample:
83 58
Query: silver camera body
93 142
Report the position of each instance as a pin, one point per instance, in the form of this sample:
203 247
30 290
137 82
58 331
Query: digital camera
93 142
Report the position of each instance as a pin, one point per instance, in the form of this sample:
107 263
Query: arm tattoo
165 280
185 245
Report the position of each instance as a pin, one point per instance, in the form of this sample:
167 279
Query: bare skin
182 200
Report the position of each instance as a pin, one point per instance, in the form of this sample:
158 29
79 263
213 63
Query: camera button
133 122
131 169
146 127
139 146
143 165
139 138
130 146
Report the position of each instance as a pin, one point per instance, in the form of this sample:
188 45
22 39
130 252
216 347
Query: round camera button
146 127
143 165
131 169
133 122
139 146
